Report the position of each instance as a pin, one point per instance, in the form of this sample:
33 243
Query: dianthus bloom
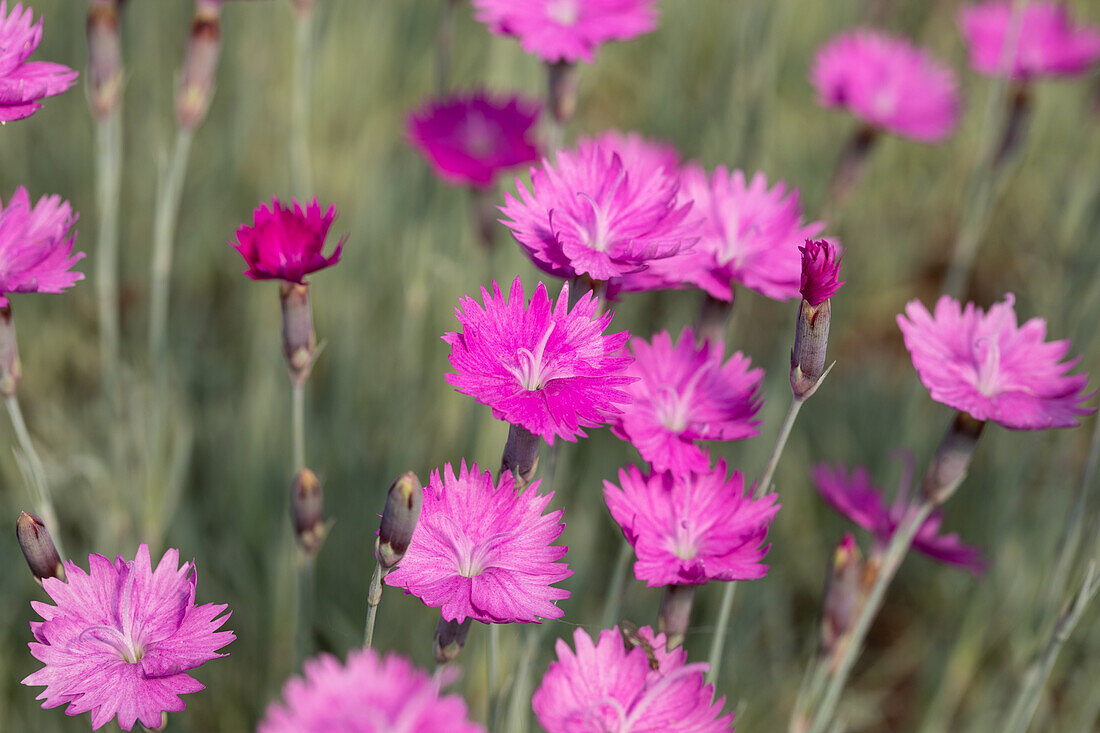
686 393
987 366
820 271
599 214
370 694
750 236
888 83
567 30
548 369
36 246
485 552
22 82
285 243
1046 43
122 637
692 529
469 139
857 498
607 686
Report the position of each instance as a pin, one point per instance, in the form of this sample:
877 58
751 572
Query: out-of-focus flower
551 370
987 366
567 30
122 637
285 243
36 246
468 139
692 529
485 552
820 271
22 82
856 497
608 687
1046 43
598 214
686 393
888 83
369 694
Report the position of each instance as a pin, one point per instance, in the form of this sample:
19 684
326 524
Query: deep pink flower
888 83
691 529
549 369
1047 44
468 139
285 243
751 235
820 270
985 365
36 246
599 214
857 498
606 687
485 552
22 82
683 394
370 694
567 30
122 637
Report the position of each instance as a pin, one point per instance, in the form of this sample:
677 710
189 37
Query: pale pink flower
22 82
36 246
1046 42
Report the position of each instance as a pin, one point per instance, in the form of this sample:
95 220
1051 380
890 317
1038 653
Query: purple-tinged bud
104 57
562 85
38 547
308 512
521 455
820 280
820 270
402 512
299 340
843 594
10 368
200 63
450 637
952 460
675 614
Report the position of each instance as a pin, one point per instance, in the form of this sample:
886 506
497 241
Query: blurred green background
726 82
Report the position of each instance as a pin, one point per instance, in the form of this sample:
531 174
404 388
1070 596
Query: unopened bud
820 281
843 594
952 460
675 614
10 368
104 76
299 340
307 511
562 90
38 547
521 455
200 63
403 503
450 637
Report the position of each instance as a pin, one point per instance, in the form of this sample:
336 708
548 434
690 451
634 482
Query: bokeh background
726 82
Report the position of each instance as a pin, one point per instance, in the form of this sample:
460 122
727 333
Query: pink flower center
478 135
596 229
988 368
683 542
673 406
531 370
564 12
127 648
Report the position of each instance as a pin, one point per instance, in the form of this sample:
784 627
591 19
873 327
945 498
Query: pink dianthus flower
36 246
987 366
1046 42
888 83
369 694
820 270
607 687
22 82
544 367
285 243
485 552
684 394
122 637
691 529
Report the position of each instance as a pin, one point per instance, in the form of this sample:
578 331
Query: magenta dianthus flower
1046 44
369 694
598 214
485 552
857 498
122 637
987 366
607 687
691 529
22 82
820 270
888 83
468 139
285 243
567 30
686 393
751 235
36 246
544 367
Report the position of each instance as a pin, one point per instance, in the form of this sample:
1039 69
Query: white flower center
988 354
531 370
128 649
684 545
564 12
673 406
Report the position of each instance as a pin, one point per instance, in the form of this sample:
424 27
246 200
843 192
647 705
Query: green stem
305 607
301 175
494 675
298 424
614 598
108 163
765 482
37 479
374 597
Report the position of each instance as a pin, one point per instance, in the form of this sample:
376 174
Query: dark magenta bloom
820 270
285 242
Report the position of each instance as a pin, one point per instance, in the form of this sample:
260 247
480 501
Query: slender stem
765 482
301 175
305 607
614 598
494 674
108 163
718 641
374 597
444 45
298 424
39 488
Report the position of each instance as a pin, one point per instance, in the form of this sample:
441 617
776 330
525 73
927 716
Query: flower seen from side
286 242
1046 41
23 83
36 246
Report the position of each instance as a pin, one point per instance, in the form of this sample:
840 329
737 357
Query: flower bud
307 511
820 280
104 57
952 460
843 594
450 637
521 455
38 547
200 62
299 340
562 87
10 368
403 503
